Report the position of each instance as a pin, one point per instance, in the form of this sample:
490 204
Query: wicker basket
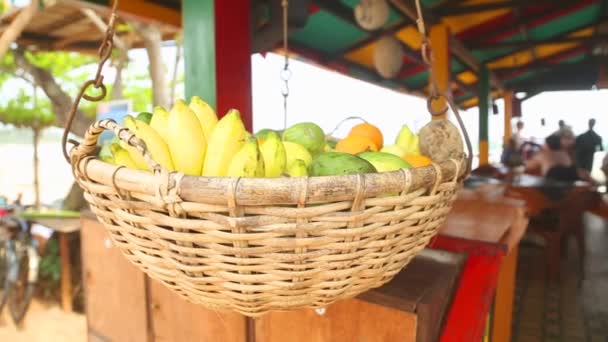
253 244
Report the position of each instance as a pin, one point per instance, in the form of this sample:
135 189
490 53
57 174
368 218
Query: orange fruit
370 131
418 160
355 144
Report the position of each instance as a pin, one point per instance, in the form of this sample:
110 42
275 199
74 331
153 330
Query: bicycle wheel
8 270
22 290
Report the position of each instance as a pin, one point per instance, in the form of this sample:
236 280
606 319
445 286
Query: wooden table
63 222
63 227
483 222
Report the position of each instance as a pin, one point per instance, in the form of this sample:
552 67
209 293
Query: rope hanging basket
254 245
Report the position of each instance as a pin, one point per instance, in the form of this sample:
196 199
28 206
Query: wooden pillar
503 302
484 111
508 98
217 54
66 272
440 40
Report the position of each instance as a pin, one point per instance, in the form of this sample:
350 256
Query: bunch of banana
273 153
225 140
189 138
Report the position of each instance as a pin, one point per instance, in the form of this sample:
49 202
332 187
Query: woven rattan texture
253 258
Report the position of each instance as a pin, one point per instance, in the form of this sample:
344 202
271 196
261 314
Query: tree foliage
70 70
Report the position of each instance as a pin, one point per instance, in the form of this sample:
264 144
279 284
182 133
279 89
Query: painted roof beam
599 38
476 8
458 49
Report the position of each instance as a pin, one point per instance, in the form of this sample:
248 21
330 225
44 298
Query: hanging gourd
372 14
388 56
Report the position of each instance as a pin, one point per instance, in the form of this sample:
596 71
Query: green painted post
198 20
484 108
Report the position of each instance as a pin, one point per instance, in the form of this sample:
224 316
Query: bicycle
19 260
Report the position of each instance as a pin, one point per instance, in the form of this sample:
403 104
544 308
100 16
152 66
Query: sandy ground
44 322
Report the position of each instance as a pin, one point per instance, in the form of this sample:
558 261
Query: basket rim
272 191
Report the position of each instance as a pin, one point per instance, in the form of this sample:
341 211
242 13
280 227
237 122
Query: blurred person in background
586 145
519 135
555 163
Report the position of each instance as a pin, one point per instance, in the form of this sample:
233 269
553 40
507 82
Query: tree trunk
178 57
152 38
117 88
37 131
62 103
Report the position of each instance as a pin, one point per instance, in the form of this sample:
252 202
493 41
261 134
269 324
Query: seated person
511 155
554 162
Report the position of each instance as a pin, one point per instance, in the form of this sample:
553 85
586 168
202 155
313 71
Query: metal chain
434 92
285 72
104 52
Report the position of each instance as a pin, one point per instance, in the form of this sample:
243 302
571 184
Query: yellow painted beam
440 40
484 153
146 10
522 58
508 98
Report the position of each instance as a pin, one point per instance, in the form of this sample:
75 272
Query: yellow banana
160 120
295 151
186 139
138 159
260 170
121 156
273 152
297 169
245 161
155 144
226 139
205 114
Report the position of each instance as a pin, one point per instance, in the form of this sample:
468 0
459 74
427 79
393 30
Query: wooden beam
63 42
492 6
467 57
17 26
441 67
456 46
548 61
536 16
508 97
149 12
102 27
338 9
343 66
599 38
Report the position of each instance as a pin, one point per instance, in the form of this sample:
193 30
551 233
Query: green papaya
337 164
307 134
384 162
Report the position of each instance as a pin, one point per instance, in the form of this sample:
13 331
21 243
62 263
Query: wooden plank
482 220
175 319
114 288
347 320
441 67
503 302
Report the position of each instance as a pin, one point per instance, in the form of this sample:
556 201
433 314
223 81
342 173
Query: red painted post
233 58
466 318
217 54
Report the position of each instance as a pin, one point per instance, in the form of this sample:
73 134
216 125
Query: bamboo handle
87 147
